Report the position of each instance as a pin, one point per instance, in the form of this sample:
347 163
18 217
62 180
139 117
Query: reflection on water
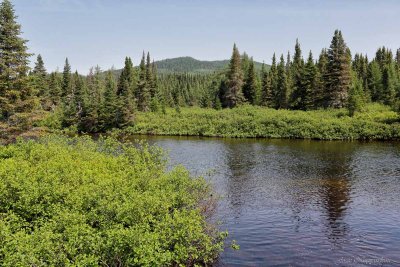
303 203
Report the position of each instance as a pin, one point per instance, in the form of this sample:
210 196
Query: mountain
192 65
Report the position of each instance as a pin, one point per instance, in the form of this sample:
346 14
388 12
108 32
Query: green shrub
375 122
76 202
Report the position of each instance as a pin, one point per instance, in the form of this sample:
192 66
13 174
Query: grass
376 122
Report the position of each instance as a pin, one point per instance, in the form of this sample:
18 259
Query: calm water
301 203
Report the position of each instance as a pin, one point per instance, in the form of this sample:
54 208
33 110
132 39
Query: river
300 202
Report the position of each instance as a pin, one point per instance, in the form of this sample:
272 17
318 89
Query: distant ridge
192 65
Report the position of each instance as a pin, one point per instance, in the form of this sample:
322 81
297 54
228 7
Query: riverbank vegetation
76 202
334 82
376 122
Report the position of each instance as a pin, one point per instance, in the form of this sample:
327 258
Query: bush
76 202
374 122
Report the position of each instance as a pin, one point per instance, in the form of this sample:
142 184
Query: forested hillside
102 100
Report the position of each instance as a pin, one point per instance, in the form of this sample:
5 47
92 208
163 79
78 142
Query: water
300 203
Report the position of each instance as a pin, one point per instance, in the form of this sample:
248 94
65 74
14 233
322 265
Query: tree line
103 100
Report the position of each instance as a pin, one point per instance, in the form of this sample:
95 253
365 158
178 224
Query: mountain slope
189 64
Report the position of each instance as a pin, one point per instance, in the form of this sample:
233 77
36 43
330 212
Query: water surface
300 203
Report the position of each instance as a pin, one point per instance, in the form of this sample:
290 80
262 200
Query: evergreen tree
55 89
266 92
375 85
39 75
125 94
67 80
390 84
250 84
338 76
233 95
282 85
297 72
308 83
357 99
15 92
143 90
109 105
273 77
320 93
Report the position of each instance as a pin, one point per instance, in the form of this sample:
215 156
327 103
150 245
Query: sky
104 32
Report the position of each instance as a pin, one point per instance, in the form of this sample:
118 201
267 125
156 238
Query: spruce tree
297 72
266 92
109 105
250 84
308 83
55 89
320 94
390 84
375 85
338 76
282 86
39 75
233 94
125 94
67 80
15 92
143 90
357 98
273 77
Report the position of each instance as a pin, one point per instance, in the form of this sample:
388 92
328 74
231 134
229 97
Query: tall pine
15 92
233 94
338 76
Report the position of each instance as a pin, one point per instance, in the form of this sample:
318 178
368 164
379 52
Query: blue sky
103 32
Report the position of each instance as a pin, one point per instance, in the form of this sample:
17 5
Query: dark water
301 203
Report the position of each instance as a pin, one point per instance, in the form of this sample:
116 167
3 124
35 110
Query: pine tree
109 105
266 92
320 93
55 89
233 95
67 80
282 85
15 93
357 99
125 94
308 83
273 77
39 75
375 85
297 72
338 77
390 84
143 90
250 84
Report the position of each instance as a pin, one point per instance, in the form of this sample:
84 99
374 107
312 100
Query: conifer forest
75 190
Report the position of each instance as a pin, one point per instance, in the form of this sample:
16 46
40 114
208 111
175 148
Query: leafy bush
375 122
76 202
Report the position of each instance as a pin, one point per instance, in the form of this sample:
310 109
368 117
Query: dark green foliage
250 84
357 98
39 75
297 72
390 83
67 80
338 77
16 94
308 83
108 109
143 94
233 94
282 93
266 89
